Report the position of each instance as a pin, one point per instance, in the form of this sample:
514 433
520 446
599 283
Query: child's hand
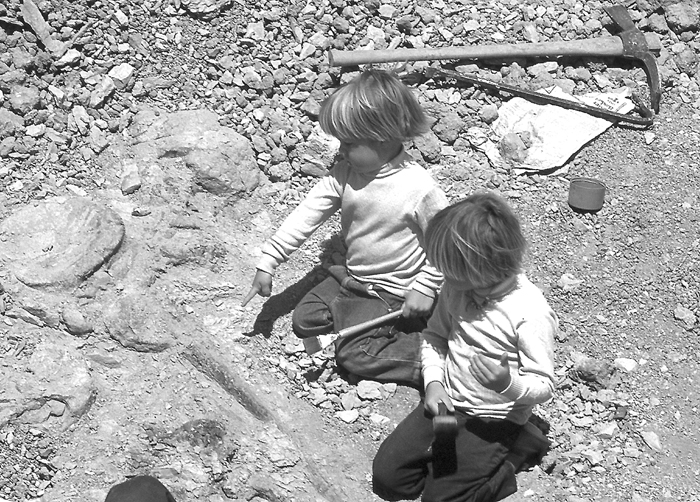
489 374
417 304
434 394
262 285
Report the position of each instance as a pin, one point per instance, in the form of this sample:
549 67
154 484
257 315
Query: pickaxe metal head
634 46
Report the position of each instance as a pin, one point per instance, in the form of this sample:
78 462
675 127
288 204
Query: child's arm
489 374
319 204
525 376
417 304
434 348
428 280
435 394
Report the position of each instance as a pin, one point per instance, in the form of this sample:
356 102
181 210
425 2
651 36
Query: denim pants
470 467
389 353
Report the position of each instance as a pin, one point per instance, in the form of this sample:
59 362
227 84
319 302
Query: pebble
628 365
652 440
75 322
348 416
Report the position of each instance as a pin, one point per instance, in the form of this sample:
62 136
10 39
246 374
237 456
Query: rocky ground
148 148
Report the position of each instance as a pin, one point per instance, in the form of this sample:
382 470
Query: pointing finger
251 294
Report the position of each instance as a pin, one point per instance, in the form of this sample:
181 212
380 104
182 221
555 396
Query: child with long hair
386 200
487 356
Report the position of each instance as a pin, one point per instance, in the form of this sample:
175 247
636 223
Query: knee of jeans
351 360
303 327
298 326
385 484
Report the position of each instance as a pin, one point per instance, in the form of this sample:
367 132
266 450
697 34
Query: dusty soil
232 409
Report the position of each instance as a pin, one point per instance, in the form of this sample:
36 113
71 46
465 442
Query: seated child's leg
312 315
481 449
386 354
401 464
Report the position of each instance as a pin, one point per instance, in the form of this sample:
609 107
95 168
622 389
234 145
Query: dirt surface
219 401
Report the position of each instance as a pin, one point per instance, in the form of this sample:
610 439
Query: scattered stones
593 371
263 77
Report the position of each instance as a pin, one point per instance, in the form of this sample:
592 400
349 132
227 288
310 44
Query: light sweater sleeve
434 342
320 203
534 381
428 280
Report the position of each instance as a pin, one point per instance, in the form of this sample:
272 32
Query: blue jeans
470 467
389 353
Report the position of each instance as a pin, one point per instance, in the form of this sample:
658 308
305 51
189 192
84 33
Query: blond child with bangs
386 200
487 355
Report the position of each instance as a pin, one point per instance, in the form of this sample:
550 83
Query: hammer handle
598 47
358 328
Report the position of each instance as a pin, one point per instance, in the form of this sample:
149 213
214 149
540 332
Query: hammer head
636 46
444 423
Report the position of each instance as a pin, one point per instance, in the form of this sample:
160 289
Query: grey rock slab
218 171
59 242
9 123
683 16
55 371
221 160
140 324
24 99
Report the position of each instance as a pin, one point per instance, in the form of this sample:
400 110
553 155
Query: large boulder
55 381
221 160
59 242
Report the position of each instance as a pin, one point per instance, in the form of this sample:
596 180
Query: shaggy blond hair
477 240
374 106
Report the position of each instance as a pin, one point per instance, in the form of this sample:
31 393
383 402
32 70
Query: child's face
366 156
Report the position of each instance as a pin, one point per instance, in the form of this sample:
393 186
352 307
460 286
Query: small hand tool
317 343
444 446
444 423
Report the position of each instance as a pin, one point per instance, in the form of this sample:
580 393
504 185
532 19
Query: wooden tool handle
591 47
351 330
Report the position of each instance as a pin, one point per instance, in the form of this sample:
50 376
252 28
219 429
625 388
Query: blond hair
477 240
374 106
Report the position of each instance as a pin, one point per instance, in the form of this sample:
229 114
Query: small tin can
586 194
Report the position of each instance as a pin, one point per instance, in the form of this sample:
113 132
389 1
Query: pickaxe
630 43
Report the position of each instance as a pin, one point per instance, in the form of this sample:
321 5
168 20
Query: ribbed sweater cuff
515 389
423 289
267 264
432 374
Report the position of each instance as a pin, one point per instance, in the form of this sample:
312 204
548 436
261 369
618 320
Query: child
386 200
487 355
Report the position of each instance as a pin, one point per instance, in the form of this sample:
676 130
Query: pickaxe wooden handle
591 47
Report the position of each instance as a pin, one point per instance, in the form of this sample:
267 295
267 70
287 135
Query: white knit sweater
383 218
514 318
